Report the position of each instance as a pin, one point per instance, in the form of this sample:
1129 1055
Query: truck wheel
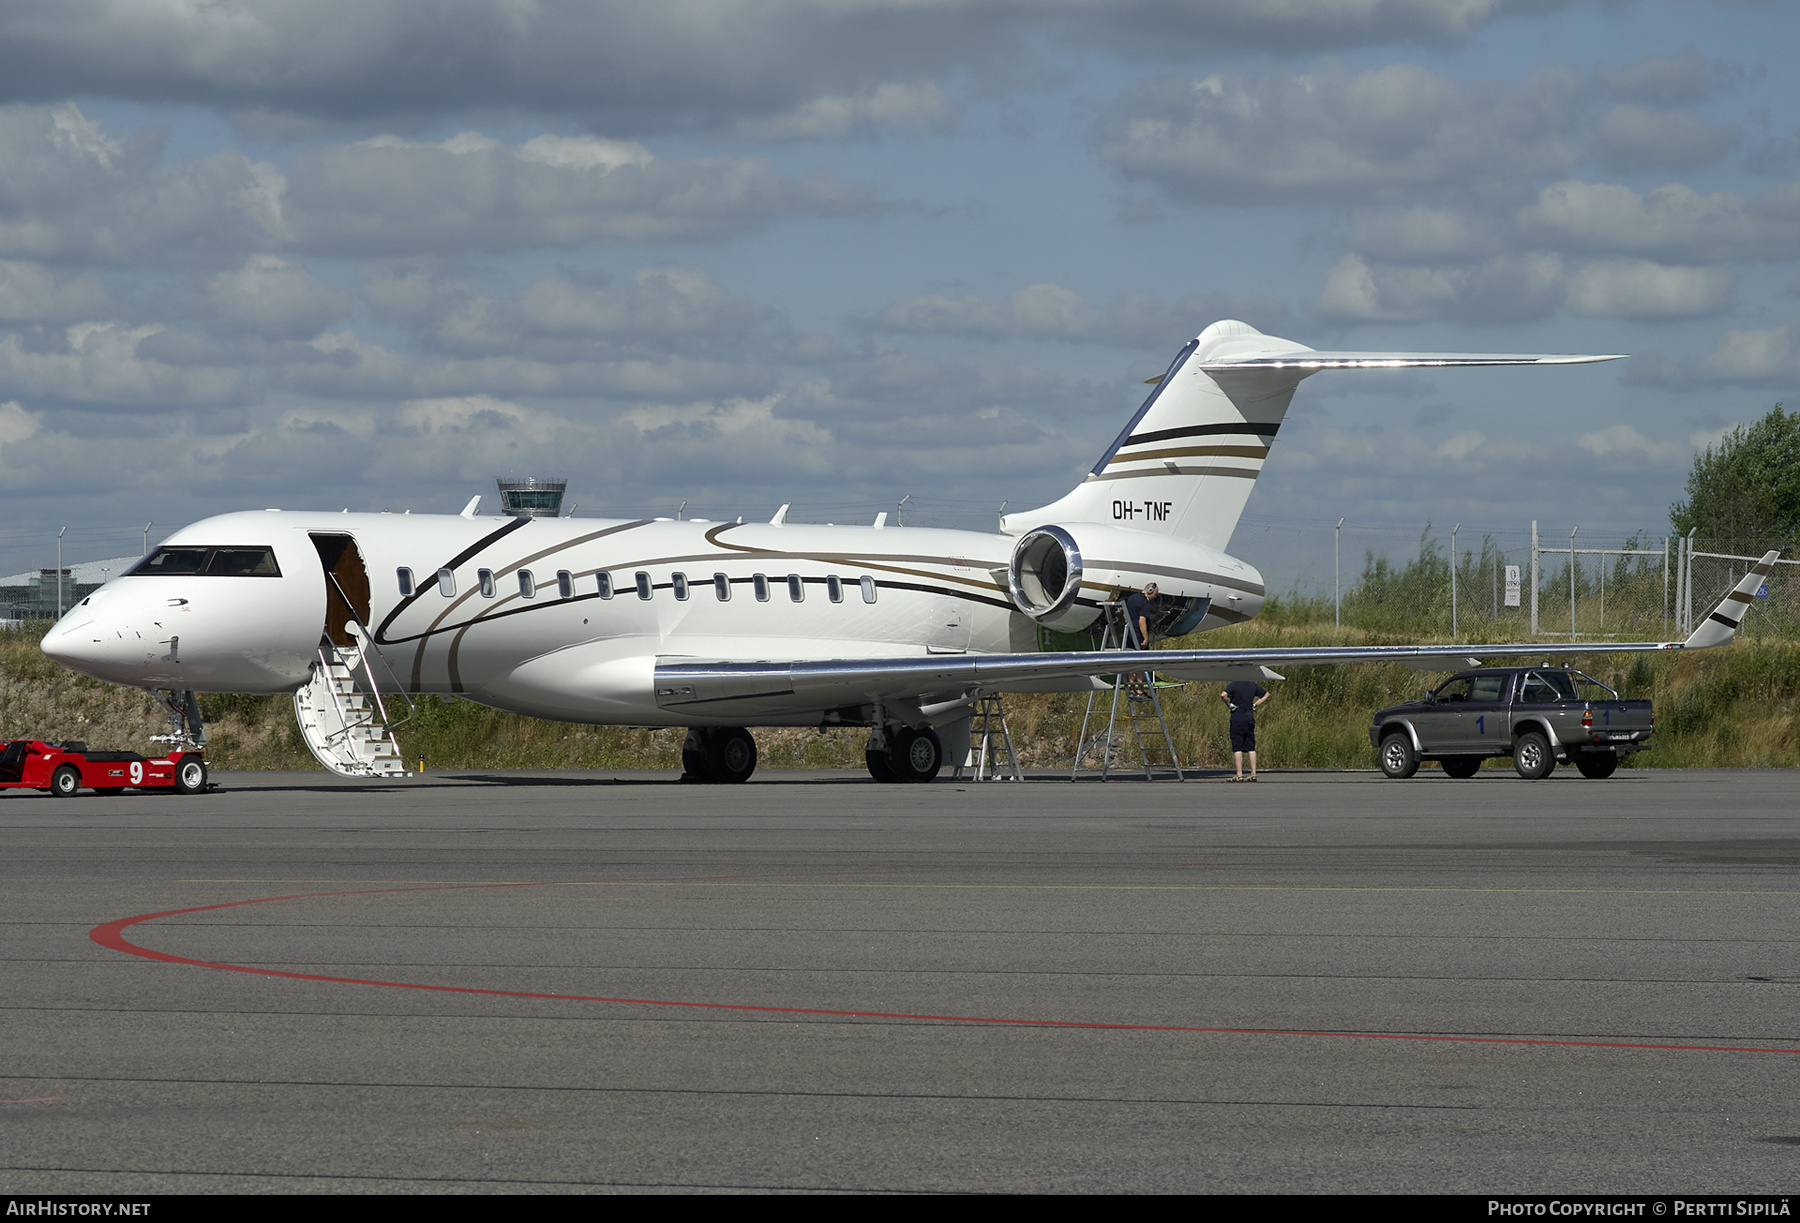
1532 756
65 781
1597 765
1398 760
1462 767
190 776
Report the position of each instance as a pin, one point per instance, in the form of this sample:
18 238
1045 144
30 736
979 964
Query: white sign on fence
1512 585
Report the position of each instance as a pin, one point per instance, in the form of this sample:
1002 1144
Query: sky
324 254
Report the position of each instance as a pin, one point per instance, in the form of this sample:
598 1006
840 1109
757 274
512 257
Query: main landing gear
910 755
723 755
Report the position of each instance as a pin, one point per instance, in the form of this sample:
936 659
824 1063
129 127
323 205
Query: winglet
1722 625
469 509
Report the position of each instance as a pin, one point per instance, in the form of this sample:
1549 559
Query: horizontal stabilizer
1309 361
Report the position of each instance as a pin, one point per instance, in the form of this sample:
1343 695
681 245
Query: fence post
1689 620
1534 577
1453 531
1572 582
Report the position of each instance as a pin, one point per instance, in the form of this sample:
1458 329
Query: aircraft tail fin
1185 463
1722 625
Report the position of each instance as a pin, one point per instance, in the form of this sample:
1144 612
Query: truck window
1487 688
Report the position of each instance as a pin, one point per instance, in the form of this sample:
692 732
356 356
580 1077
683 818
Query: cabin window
760 584
527 585
834 588
722 587
868 589
447 583
405 577
643 584
796 588
565 584
604 582
485 577
679 582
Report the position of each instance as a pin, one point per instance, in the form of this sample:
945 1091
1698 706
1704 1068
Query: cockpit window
208 562
243 563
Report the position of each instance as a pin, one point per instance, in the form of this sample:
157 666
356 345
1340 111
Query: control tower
530 497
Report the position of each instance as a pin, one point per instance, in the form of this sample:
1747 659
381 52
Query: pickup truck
1537 715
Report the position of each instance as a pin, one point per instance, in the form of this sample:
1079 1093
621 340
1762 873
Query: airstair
343 717
990 744
1136 706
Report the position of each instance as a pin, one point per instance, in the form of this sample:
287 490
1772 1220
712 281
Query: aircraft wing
944 681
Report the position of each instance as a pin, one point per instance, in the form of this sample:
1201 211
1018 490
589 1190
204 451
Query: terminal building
34 595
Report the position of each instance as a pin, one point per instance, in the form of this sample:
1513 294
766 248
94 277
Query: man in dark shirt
1137 632
1243 696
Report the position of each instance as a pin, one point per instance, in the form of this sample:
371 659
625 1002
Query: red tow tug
63 769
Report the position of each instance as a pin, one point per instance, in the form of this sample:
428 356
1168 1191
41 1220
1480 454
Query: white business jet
718 626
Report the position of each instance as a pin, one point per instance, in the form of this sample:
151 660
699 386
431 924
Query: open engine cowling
1061 574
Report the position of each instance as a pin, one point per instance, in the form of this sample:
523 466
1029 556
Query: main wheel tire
693 755
1462 767
1398 759
190 776
877 761
65 782
730 755
1532 756
915 755
1597 765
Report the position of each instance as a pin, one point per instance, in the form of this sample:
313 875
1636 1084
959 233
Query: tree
1747 487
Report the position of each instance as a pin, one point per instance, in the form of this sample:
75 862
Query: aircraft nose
86 642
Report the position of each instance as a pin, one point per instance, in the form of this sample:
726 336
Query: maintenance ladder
991 745
1135 703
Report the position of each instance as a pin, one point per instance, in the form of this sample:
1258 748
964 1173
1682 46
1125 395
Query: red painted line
111 935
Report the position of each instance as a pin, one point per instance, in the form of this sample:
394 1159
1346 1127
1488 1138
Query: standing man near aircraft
1243 696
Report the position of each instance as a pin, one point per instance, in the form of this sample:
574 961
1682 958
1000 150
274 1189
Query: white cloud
390 196
33 293
1423 235
899 108
1633 137
1505 288
99 364
1673 222
1639 289
70 191
1767 357
1625 442
272 297
1332 136
1052 312
1667 80
627 65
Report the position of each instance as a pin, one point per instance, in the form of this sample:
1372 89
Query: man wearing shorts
1242 696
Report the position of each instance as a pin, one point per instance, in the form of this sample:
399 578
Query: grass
1735 707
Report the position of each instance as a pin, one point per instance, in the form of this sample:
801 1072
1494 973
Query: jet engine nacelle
1059 576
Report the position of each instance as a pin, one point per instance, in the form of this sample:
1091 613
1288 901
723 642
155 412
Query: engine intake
1044 578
